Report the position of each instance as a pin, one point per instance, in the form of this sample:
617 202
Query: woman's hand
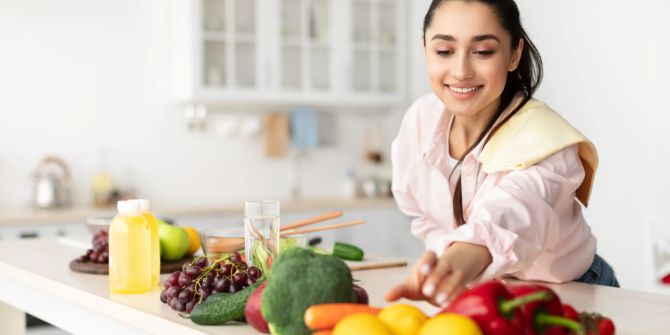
459 265
410 288
443 279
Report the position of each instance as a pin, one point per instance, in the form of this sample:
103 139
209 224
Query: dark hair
524 80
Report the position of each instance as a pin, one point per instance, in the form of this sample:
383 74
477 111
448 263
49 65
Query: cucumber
347 251
223 307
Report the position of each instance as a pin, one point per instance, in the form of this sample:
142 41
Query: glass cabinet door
304 45
229 43
375 49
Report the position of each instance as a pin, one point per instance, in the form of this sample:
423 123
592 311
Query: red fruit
666 279
252 310
570 312
606 327
361 295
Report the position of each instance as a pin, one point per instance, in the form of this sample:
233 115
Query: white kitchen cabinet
289 52
42 230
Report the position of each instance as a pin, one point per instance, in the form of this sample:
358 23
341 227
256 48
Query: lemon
193 240
450 324
361 323
402 319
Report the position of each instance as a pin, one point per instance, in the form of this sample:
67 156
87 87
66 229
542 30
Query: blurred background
199 105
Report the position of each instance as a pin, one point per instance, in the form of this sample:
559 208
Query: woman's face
468 54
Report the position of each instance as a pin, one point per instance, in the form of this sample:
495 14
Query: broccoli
299 279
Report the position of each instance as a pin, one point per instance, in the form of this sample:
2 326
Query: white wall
604 71
78 76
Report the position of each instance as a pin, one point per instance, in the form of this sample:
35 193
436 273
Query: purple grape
251 281
173 278
189 306
193 271
241 266
232 288
164 297
204 292
254 272
178 306
83 258
227 270
184 279
191 287
185 296
172 302
201 261
172 292
240 278
235 258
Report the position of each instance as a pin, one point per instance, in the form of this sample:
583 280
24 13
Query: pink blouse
529 219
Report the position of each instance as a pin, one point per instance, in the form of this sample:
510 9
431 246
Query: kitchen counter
49 216
34 277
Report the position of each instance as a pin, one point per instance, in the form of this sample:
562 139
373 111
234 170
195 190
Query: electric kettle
51 183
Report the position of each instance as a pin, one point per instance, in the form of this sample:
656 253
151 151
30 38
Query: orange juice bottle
145 208
130 250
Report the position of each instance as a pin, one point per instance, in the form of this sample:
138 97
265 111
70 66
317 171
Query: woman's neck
465 130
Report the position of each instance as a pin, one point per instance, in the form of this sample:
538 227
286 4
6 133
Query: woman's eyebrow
477 38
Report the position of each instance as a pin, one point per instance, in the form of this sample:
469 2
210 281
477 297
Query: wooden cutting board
370 263
103 269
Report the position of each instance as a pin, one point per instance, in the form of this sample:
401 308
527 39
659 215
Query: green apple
174 242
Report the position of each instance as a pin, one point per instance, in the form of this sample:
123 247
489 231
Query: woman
492 176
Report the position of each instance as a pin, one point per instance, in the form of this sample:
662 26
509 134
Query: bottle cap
127 207
143 203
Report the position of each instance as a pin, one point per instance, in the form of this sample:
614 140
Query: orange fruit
193 240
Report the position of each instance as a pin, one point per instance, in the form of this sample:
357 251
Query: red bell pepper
596 324
570 312
544 317
494 309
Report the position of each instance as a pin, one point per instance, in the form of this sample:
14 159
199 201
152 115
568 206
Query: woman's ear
516 56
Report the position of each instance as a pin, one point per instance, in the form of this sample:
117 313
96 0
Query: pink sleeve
405 155
518 216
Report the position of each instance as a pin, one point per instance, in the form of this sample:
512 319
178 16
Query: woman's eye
485 52
443 52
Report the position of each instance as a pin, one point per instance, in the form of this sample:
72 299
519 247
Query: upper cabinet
291 52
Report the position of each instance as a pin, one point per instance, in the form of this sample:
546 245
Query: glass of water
261 233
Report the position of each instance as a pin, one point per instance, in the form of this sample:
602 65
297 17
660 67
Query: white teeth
463 90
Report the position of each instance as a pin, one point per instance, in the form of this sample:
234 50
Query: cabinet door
377 48
230 44
304 45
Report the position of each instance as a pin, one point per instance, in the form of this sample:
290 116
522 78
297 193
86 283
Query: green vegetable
347 251
301 278
223 307
318 250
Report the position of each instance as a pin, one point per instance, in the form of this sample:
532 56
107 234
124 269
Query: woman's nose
462 68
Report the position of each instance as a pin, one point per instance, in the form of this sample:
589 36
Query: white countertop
34 277
49 216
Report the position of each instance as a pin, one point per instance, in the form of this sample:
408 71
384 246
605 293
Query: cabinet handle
29 234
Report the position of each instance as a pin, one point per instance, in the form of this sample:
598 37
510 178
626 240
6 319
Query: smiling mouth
464 89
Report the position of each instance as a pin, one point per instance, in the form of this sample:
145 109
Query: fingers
449 288
411 287
440 271
400 291
424 265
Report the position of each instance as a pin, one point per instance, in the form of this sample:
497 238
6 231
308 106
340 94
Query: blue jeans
600 273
